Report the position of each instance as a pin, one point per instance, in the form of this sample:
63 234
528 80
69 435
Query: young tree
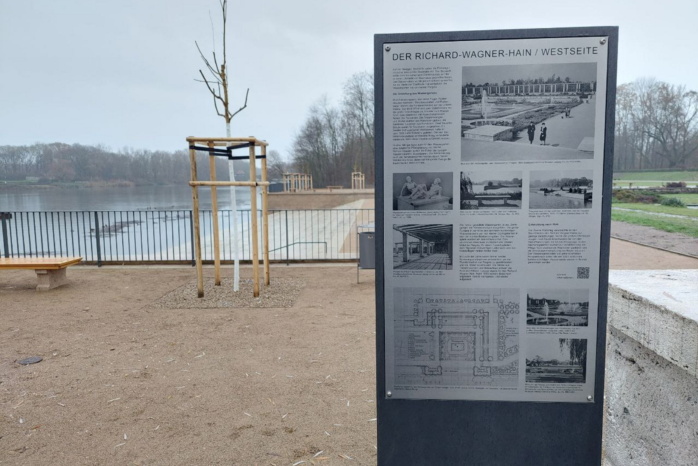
216 79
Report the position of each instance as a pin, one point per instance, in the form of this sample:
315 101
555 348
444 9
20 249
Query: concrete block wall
651 405
317 199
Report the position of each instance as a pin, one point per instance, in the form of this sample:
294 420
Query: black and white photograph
559 308
528 112
423 247
556 360
561 189
490 190
423 191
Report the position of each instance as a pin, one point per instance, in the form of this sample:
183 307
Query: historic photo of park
490 190
561 189
423 247
423 191
528 112
560 308
556 360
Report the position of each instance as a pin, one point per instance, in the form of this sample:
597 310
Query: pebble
282 292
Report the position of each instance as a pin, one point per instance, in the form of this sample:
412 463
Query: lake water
115 199
538 200
154 223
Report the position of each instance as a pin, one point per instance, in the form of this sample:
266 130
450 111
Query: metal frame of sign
425 429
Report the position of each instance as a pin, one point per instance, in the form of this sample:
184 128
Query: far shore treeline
99 166
656 128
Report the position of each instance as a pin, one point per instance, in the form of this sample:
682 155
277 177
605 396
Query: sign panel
493 161
493 174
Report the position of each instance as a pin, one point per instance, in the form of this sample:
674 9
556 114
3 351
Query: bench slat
45 263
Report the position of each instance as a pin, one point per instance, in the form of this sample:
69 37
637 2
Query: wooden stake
253 207
265 220
197 227
214 216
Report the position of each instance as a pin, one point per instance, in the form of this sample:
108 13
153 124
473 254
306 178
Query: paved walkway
473 150
630 256
566 136
568 132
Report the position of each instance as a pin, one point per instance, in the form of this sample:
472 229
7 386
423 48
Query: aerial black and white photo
561 189
528 112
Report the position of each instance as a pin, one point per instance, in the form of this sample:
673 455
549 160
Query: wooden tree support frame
195 183
358 180
294 182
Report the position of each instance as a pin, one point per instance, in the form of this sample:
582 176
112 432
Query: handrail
300 242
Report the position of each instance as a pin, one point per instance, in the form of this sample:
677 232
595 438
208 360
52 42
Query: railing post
193 246
97 240
287 263
5 216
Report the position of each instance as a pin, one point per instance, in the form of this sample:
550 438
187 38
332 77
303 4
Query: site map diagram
449 340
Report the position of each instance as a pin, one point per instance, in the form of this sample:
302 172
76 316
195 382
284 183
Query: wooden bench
51 271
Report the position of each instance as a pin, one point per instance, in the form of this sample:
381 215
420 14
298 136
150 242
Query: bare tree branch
243 107
217 84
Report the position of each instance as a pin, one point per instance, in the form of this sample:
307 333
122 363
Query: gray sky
122 73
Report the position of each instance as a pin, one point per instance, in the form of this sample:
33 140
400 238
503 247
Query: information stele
494 165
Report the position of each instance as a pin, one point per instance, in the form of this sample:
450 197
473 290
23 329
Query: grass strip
672 225
686 198
659 209
679 175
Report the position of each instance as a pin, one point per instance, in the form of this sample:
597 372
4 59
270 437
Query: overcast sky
122 73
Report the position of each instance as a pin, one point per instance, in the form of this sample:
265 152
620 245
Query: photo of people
483 190
528 112
561 189
423 191
556 360
423 247
562 308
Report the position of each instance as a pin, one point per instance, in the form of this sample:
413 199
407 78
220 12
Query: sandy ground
129 378
126 382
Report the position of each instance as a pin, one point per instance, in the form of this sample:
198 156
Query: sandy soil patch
128 379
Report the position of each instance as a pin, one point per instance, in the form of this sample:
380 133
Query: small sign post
493 188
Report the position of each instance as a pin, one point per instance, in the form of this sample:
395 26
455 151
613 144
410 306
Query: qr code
582 272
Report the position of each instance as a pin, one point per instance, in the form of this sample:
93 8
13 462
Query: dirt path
676 242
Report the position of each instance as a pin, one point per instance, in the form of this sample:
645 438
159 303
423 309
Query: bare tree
673 123
656 125
216 77
334 142
217 80
276 166
359 113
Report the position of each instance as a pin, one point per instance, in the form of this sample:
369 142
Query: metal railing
165 236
